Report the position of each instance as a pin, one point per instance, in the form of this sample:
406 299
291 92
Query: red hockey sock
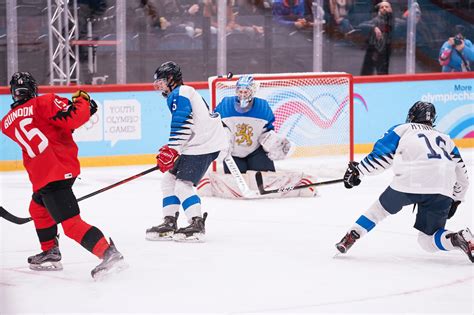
90 237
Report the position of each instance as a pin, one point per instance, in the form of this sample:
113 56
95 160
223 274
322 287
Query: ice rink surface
261 256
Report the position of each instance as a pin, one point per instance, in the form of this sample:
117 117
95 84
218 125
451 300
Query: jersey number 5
30 134
439 141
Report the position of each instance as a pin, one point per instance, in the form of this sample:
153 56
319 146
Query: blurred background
116 41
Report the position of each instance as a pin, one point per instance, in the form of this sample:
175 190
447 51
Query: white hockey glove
225 152
276 146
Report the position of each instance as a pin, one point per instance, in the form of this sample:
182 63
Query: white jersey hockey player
196 138
429 171
254 145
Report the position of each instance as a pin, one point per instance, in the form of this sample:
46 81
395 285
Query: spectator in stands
291 13
250 14
172 16
340 15
380 28
457 52
210 10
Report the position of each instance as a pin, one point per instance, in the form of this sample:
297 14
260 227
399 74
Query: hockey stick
17 220
261 189
239 179
123 181
12 218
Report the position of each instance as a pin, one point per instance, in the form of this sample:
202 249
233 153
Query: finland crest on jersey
247 127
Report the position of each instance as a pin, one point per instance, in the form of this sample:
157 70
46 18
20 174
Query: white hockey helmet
245 90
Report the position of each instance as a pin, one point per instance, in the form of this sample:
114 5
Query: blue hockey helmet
422 113
245 90
23 86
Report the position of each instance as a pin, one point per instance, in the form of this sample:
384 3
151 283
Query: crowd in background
360 36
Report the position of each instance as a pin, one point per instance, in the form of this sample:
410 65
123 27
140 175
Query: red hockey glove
166 158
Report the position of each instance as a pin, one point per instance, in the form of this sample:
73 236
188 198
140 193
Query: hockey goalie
253 146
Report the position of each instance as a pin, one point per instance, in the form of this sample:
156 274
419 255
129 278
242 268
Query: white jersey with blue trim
194 130
425 161
246 127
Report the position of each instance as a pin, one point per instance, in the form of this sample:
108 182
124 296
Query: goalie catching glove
92 104
166 158
351 177
277 147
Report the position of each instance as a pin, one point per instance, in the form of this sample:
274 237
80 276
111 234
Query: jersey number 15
30 134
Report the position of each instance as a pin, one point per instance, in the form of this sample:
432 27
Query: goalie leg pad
275 180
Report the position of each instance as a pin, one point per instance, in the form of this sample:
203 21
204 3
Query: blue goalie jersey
425 161
246 128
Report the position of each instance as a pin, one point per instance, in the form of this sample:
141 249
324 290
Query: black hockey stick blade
12 218
17 220
126 180
261 189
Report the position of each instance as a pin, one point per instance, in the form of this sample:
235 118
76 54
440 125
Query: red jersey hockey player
42 126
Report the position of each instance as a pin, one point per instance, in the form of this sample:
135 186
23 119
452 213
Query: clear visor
160 84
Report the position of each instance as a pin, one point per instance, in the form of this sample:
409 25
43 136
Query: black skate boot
164 231
49 260
347 241
112 262
460 241
194 232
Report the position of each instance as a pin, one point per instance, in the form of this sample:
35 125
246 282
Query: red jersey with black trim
43 127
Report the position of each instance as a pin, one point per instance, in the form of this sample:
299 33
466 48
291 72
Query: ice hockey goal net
313 110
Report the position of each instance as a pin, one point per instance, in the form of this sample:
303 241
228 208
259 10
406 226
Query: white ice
261 256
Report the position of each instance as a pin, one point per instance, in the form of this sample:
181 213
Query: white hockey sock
440 241
190 201
366 222
171 202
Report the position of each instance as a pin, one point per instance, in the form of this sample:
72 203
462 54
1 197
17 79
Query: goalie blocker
225 186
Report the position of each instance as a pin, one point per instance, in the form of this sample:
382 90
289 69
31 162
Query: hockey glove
93 107
454 207
166 158
80 93
351 177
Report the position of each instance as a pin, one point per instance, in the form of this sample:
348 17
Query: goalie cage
313 110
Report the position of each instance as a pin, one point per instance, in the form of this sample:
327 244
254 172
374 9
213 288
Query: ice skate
164 231
463 240
112 262
49 260
195 232
347 241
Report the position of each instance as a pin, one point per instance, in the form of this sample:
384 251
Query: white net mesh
313 110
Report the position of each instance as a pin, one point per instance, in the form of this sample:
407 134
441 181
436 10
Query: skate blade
159 236
195 238
106 273
47 266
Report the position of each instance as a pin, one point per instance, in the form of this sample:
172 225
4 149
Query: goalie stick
17 220
239 179
261 189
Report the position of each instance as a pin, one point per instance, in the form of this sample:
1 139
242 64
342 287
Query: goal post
313 110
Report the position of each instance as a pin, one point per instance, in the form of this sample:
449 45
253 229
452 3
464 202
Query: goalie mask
167 77
422 113
245 90
23 87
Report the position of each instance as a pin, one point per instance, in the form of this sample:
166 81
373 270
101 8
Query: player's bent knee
426 242
377 212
